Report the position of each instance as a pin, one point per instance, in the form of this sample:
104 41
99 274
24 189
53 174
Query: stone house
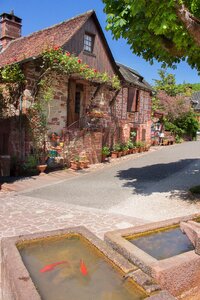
123 111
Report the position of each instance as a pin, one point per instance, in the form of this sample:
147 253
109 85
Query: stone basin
106 275
161 250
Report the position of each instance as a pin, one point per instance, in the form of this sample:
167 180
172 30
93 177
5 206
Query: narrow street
156 182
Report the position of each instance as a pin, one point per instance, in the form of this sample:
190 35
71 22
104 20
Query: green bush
105 151
117 147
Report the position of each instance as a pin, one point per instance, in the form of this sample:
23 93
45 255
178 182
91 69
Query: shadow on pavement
149 179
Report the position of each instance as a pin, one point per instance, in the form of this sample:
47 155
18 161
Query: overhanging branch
191 23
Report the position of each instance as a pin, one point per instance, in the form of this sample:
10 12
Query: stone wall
138 121
115 125
84 143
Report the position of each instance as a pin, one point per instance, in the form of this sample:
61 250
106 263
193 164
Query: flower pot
120 153
41 168
114 154
134 150
84 164
75 165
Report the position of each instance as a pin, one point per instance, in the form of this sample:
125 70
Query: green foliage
69 64
169 126
12 74
117 147
105 150
124 147
154 29
167 83
139 144
195 87
188 123
130 144
30 162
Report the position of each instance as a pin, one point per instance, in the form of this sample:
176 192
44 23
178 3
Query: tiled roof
34 44
195 100
133 77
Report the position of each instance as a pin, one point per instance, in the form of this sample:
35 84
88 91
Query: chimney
10 28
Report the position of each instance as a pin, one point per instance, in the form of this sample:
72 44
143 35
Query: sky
39 14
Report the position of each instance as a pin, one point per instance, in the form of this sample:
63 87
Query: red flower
95 71
79 61
67 53
56 48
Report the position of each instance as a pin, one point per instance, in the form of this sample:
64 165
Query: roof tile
34 44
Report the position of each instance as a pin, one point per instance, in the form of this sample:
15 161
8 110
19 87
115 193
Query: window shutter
131 100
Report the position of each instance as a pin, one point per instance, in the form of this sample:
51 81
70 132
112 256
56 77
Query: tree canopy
168 31
174 101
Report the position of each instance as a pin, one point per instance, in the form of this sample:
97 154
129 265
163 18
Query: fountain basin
85 268
172 261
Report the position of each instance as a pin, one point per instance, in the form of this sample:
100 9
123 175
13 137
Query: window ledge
89 53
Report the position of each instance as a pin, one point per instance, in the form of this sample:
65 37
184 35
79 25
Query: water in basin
84 273
163 244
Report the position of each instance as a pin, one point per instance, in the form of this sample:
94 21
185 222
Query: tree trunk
191 23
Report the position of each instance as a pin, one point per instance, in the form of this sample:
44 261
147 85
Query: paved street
155 182
127 192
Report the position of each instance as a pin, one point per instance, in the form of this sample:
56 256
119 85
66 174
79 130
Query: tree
174 101
171 98
168 31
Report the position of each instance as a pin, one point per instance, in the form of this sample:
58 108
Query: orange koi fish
83 268
52 266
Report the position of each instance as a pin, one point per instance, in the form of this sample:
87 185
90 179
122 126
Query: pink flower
67 53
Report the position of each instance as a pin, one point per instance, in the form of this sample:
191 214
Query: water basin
164 243
102 280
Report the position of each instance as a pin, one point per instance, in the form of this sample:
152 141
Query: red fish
52 266
83 268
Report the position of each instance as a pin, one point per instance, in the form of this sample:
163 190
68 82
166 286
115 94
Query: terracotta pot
75 165
134 150
120 153
84 164
114 154
41 168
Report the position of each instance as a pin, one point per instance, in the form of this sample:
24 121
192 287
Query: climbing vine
54 62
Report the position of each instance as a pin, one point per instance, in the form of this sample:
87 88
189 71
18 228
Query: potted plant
116 150
75 163
105 153
124 148
130 146
140 146
84 162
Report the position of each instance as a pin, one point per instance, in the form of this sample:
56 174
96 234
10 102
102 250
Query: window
137 101
88 42
143 135
130 102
